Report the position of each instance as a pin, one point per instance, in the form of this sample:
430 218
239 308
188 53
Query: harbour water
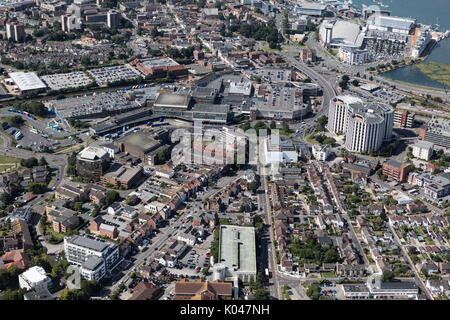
427 12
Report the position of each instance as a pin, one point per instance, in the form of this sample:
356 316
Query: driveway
51 248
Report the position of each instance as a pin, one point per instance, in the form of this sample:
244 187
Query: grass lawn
52 181
329 274
67 149
6 159
7 162
284 133
267 48
311 140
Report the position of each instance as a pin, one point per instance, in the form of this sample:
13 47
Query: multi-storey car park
436 131
276 102
237 253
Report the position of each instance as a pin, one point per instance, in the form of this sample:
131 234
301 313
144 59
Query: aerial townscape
224 150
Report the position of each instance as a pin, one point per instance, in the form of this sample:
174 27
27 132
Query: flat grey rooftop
92 262
172 100
97 245
237 248
141 141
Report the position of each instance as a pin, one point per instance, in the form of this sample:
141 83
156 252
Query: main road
264 203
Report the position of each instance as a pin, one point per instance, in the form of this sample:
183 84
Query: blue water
427 12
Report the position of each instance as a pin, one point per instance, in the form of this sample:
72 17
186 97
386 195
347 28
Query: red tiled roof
15 258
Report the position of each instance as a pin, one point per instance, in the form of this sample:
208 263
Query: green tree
43 261
67 294
261 294
14 294
29 163
78 206
37 188
313 291
253 185
16 120
388 276
43 161
111 196
96 210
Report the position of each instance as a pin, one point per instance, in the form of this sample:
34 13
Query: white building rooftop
27 81
91 153
34 274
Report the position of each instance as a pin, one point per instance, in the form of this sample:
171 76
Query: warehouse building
22 82
138 145
118 122
310 9
391 24
217 113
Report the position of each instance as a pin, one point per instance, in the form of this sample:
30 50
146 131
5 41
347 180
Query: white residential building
423 150
156 206
34 278
95 257
353 56
401 197
320 153
366 125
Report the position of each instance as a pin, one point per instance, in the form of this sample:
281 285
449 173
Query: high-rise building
366 126
70 23
113 19
15 32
